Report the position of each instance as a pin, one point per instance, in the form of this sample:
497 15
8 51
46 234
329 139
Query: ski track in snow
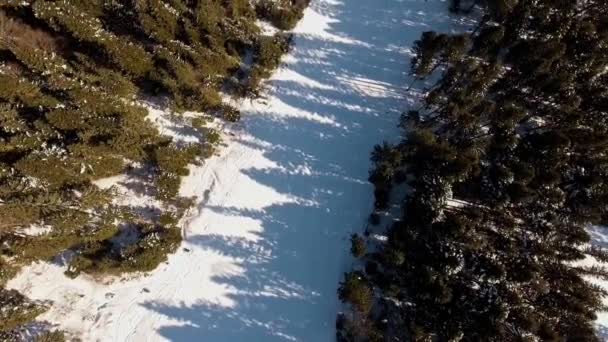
266 246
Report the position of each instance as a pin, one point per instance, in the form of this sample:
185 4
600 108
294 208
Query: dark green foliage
267 57
171 163
16 310
357 245
283 14
50 336
270 49
84 26
230 113
167 185
7 271
505 163
69 131
153 244
213 136
355 291
185 49
64 118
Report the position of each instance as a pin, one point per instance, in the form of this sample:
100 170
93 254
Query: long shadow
291 270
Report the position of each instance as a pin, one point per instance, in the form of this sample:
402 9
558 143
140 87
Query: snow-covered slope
266 246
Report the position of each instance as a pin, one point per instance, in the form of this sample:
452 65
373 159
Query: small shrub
167 219
16 309
77 264
50 336
357 245
167 186
173 159
230 113
270 49
155 242
200 122
267 57
171 163
395 257
355 290
284 14
213 136
7 271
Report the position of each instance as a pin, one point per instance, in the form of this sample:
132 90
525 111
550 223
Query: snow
599 238
267 243
267 28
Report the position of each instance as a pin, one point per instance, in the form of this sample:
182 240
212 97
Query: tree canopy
506 164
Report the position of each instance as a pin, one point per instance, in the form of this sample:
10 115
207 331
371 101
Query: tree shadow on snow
291 270
602 332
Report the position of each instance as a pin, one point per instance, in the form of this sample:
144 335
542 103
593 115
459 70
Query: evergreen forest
496 177
73 74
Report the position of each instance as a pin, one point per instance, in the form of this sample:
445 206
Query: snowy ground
599 237
266 246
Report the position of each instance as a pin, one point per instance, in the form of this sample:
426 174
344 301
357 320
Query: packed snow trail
266 246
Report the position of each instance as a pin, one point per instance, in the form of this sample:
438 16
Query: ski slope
267 244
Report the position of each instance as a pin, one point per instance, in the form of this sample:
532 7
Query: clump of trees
16 310
506 162
283 14
50 336
267 55
71 72
153 243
